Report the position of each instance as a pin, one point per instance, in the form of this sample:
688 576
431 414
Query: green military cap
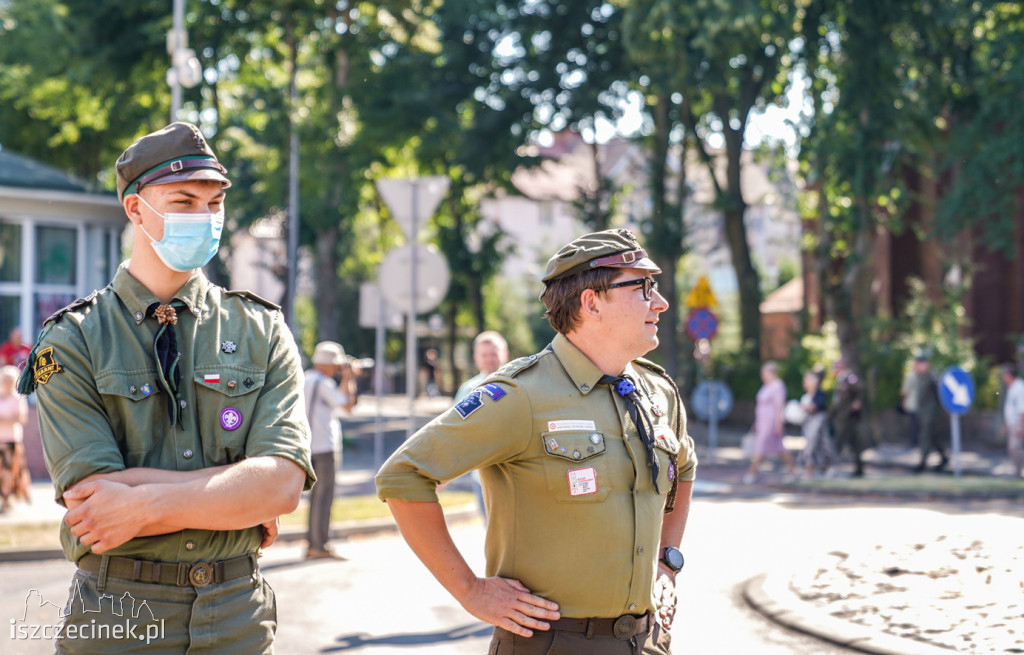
611 248
176 153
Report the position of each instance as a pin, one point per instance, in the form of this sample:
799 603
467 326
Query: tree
714 63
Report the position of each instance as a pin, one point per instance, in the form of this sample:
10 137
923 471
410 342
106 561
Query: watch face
673 558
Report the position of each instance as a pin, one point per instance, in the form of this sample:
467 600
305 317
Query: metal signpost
412 201
956 393
711 400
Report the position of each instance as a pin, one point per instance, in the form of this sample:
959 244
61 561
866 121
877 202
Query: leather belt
179 574
624 627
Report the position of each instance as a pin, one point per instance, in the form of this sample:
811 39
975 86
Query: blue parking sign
956 390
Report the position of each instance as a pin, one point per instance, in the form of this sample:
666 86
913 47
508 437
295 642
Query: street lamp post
185 71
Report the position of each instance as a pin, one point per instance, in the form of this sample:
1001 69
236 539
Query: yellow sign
701 295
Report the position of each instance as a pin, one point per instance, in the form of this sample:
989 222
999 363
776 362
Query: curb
340 530
769 595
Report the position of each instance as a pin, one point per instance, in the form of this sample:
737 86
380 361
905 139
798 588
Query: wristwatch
672 558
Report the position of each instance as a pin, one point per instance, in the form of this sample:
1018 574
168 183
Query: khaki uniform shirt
572 511
100 409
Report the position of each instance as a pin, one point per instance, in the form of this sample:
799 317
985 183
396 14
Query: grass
348 508
369 507
945 485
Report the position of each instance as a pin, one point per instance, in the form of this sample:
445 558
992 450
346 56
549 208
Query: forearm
424 529
134 477
674 523
225 498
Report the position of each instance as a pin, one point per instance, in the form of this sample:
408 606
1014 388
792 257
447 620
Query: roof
23 172
787 299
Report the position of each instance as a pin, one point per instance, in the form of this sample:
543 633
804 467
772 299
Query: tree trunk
328 310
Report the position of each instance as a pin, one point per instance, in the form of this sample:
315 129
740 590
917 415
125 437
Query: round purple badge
230 418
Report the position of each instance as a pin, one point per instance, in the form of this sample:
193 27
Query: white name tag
582 481
580 424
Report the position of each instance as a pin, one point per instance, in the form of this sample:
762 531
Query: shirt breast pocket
226 400
666 448
134 405
576 466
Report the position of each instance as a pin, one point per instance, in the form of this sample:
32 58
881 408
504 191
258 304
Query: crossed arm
106 510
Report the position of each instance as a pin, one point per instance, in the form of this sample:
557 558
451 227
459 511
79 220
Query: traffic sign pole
954 433
956 393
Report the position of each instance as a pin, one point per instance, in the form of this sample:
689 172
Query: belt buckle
201 574
624 627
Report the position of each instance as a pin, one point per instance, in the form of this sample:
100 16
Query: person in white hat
325 400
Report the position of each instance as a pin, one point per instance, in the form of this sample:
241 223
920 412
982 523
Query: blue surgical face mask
189 241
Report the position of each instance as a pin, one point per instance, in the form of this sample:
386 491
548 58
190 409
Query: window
56 260
10 252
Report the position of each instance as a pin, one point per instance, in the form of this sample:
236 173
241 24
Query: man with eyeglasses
586 465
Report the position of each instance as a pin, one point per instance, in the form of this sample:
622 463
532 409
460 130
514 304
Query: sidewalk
837 599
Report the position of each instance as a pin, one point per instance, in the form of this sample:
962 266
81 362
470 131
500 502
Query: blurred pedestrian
170 413
845 414
908 400
14 351
929 414
490 352
1013 416
15 480
330 389
769 411
588 466
818 453
431 361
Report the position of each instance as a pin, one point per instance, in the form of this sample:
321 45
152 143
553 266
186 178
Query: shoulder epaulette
517 366
78 304
646 363
26 382
249 295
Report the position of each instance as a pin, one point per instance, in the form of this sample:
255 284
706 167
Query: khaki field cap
176 153
611 248
329 352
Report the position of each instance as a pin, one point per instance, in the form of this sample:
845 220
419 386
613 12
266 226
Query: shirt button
595 438
640 549
585 387
232 384
197 311
632 606
183 403
576 454
188 453
190 545
132 389
139 316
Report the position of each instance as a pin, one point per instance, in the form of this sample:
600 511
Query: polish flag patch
211 378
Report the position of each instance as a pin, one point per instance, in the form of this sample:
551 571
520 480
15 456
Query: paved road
383 601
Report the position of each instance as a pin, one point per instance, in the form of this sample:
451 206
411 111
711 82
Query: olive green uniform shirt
100 409
572 512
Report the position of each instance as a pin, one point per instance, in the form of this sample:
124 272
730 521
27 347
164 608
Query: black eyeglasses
647 283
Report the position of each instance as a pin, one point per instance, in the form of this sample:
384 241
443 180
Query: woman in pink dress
768 419
14 476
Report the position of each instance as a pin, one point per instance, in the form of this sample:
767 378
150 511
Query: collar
583 372
137 298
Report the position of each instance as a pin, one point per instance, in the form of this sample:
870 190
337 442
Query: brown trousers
558 642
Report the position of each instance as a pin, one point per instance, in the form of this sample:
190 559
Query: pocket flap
574 446
133 385
665 438
232 381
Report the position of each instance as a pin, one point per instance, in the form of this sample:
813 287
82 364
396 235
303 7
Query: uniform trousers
321 497
111 615
560 642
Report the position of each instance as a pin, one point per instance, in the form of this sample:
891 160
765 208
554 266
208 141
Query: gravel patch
952 591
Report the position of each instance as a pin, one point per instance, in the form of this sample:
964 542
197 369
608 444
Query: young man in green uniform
586 465
166 406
